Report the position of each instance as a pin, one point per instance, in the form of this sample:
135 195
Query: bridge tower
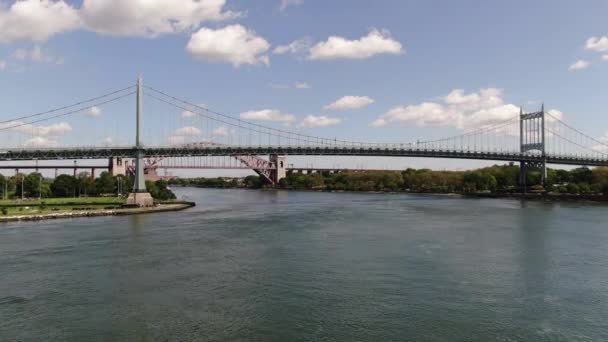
532 141
280 170
140 195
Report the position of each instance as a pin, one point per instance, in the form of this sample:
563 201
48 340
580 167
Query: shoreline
548 197
166 207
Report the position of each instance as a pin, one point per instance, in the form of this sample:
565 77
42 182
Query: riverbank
119 211
549 197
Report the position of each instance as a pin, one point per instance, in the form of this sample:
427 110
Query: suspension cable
21 124
68 106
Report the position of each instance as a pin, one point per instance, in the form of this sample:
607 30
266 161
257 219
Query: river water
250 265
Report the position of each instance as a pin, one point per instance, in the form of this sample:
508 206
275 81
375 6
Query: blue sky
514 52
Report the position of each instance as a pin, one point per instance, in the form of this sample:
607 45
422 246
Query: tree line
35 185
498 178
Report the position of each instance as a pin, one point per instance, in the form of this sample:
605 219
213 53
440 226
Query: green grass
66 201
37 210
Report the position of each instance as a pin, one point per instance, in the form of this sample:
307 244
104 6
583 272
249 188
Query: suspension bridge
533 139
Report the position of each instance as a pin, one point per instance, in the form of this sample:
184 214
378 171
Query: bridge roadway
190 151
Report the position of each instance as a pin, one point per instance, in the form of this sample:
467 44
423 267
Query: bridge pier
280 170
140 195
117 167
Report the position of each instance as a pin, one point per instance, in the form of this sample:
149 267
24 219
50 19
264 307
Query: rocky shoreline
178 206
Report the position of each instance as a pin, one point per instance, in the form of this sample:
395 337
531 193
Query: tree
32 185
105 184
64 186
86 184
3 186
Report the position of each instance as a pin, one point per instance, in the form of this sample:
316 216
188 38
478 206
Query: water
301 266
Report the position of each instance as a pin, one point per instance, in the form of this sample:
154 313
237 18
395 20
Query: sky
385 70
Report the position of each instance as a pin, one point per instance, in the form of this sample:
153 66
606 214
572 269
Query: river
248 265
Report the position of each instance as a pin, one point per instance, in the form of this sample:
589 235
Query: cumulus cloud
605 57
108 141
151 18
375 43
188 131
286 3
579 65
184 134
38 20
40 142
43 131
599 44
187 114
350 102
93 112
268 115
312 121
222 131
233 44
456 109
299 46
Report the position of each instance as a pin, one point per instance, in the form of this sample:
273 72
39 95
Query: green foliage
105 184
64 186
4 211
160 190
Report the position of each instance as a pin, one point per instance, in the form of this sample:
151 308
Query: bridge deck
163 151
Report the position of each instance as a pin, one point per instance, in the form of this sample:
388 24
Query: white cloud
36 20
457 109
299 46
287 3
222 131
40 142
41 136
108 141
554 115
312 121
2 64
50 130
188 131
579 65
605 57
187 114
375 43
599 44
151 18
176 140
301 85
184 134
234 44
93 112
36 54
297 85
268 115
350 102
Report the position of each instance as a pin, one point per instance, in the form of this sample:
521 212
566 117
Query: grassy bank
62 210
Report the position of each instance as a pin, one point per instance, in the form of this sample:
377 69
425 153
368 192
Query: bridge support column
532 143
117 167
140 195
280 170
